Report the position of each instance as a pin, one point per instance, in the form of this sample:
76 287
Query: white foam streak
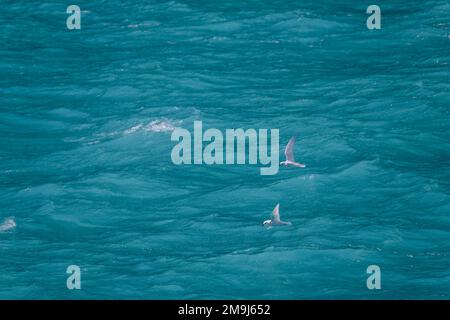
8 224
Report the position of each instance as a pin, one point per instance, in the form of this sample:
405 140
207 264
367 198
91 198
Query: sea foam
153 126
8 224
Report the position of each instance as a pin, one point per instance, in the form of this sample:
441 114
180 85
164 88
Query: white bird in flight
289 153
275 218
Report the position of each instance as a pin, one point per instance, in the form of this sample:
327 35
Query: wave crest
154 126
8 224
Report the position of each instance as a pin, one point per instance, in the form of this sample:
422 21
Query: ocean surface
86 176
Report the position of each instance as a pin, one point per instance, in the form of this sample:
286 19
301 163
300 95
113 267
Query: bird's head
267 222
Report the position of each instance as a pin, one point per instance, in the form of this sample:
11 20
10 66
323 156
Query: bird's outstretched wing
289 151
276 213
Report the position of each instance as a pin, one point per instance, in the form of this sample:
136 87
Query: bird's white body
289 153
292 163
275 218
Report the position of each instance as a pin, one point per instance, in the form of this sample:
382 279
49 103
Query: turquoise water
85 169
